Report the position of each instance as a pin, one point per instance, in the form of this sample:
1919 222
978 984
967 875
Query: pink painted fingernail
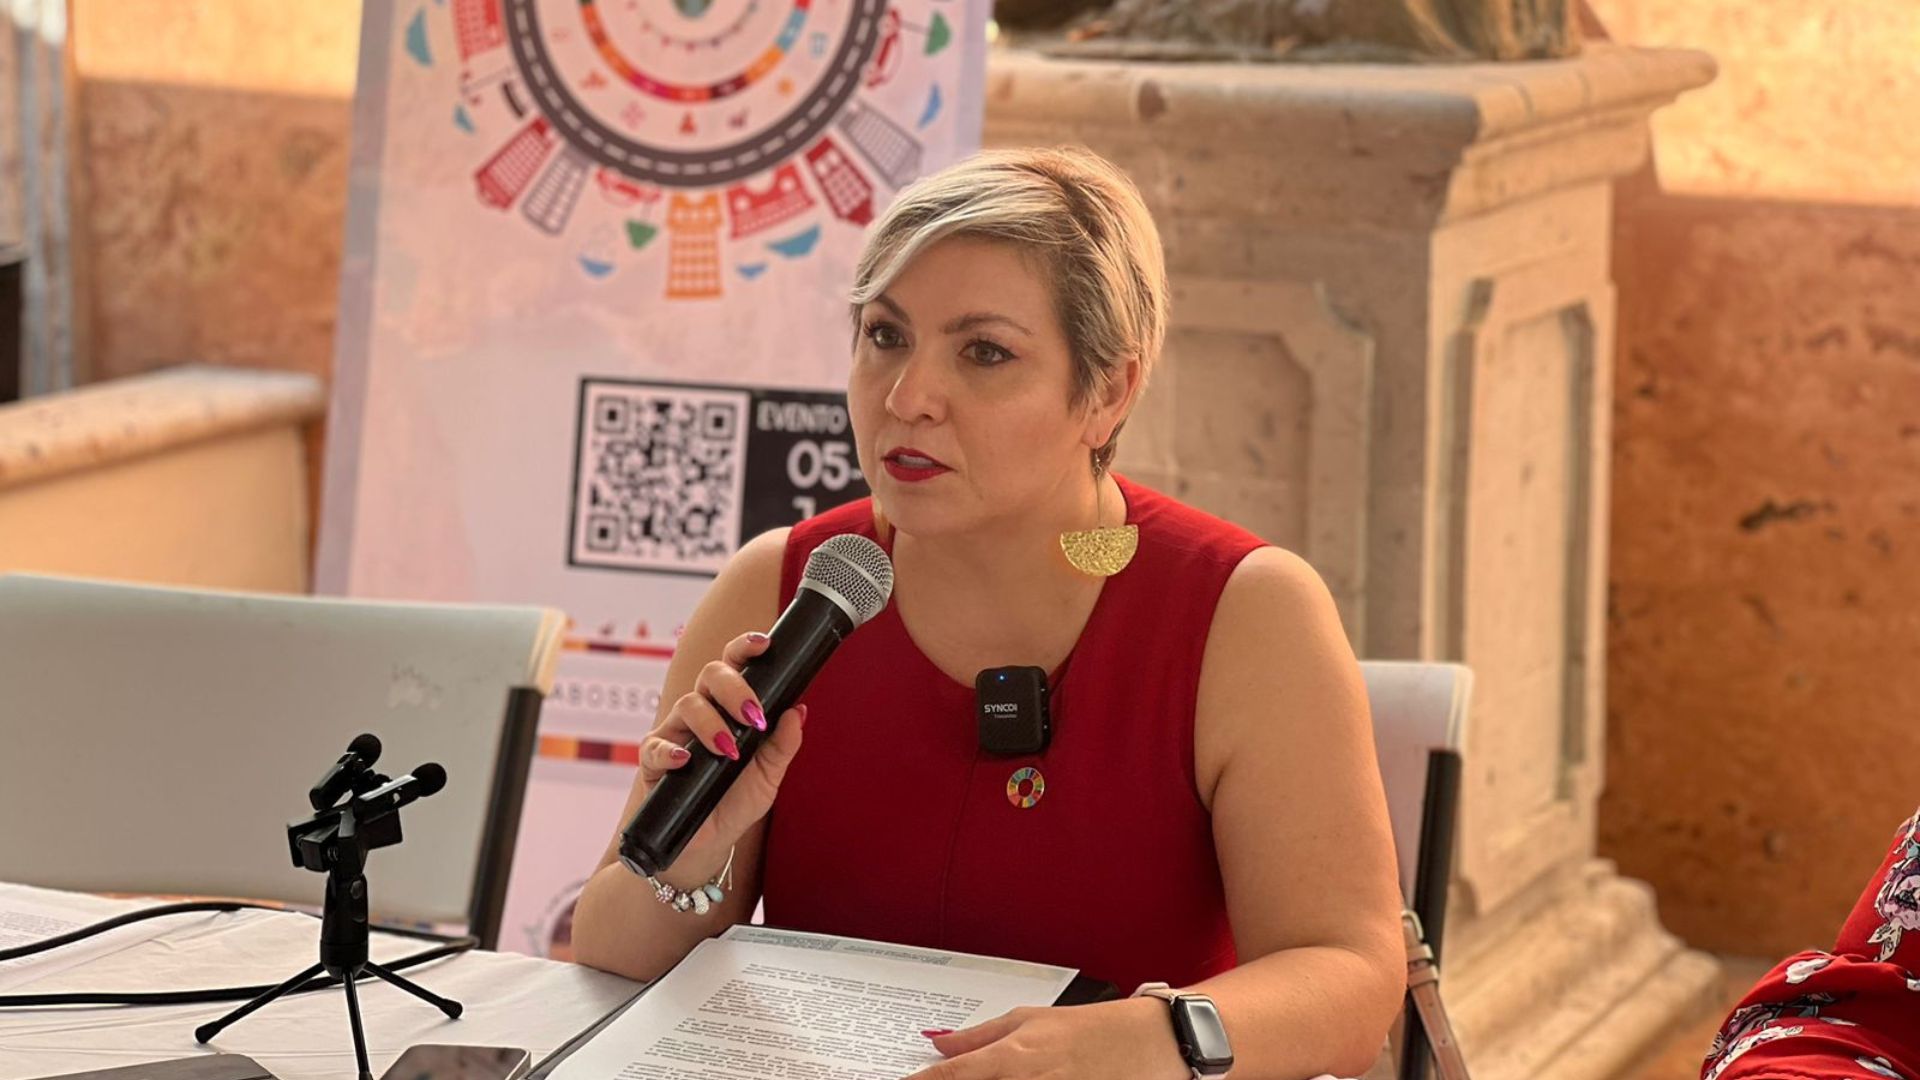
758 638
936 1033
727 746
679 755
751 710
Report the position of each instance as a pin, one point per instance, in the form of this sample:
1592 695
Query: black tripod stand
336 841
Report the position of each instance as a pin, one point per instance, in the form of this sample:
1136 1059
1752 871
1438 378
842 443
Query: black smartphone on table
442 1062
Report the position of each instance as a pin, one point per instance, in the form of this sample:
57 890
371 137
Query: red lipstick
911 466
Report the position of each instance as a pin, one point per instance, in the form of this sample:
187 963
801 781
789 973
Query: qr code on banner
658 477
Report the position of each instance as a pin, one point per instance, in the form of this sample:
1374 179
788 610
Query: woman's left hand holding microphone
701 714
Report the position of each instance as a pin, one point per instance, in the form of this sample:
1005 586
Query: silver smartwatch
1196 1028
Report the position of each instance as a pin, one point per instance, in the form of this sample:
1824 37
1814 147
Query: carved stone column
1391 350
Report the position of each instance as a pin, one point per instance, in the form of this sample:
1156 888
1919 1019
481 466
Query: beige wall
1815 100
215 141
1764 629
214 136
226 513
189 476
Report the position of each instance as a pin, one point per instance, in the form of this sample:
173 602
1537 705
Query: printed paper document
761 1004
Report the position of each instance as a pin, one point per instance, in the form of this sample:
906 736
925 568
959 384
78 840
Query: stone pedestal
1391 350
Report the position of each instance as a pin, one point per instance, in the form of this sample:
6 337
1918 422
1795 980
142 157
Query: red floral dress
1852 1012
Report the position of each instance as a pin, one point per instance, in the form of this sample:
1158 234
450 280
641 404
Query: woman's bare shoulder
1278 671
1275 590
746 594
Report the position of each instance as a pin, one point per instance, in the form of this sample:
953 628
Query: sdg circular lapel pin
1026 787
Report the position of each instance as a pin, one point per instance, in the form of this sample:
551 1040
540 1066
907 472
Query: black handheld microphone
847 582
361 753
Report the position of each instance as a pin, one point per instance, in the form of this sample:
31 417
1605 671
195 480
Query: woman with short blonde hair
1206 811
1081 221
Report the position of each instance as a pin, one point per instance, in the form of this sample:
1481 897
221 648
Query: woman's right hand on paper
695 716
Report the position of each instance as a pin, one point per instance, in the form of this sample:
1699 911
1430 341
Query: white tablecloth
510 1000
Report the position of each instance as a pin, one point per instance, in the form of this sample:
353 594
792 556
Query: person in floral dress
1853 1011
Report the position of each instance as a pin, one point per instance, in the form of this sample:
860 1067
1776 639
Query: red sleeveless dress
893 825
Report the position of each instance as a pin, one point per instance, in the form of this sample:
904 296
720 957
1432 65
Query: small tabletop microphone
423 781
361 753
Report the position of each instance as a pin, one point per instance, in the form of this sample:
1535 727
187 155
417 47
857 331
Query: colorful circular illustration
722 134
693 93
1025 788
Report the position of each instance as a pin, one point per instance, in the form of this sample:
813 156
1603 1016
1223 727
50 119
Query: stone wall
1764 625
215 139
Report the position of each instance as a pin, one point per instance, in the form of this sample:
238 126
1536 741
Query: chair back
1419 727
1418 707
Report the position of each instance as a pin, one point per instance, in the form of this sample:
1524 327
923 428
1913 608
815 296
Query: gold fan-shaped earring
1100 551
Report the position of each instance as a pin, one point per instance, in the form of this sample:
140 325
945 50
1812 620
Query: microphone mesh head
855 569
432 777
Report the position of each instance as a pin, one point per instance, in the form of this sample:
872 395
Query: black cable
119 921
449 946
